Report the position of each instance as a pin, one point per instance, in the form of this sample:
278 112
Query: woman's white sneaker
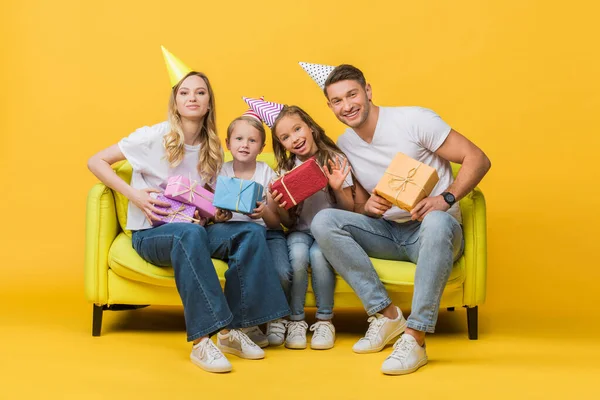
276 332
257 336
208 357
296 335
382 330
323 336
237 343
407 357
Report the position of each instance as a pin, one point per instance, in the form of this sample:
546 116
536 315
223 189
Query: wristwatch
449 198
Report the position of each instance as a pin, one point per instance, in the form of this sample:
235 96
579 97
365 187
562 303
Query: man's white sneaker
276 332
296 335
208 357
382 330
237 343
407 357
323 336
256 335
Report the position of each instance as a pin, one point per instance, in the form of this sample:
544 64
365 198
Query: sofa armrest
475 234
101 229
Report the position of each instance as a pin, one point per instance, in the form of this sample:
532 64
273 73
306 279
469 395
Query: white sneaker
256 335
382 330
237 343
324 335
276 332
407 357
208 357
296 335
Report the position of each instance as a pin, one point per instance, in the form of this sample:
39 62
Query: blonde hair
256 124
210 157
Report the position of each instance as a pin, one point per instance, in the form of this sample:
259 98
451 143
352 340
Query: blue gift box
237 195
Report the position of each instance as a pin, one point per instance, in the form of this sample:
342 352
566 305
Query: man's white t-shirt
263 174
415 131
316 202
145 151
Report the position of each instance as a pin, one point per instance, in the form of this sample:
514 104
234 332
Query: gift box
406 182
189 191
300 183
178 212
237 195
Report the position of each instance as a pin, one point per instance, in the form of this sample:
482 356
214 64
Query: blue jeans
304 250
252 294
278 246
348 240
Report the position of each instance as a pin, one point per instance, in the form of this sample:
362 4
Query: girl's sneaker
237 343
296 335
276 332
323 336
256 335
208 357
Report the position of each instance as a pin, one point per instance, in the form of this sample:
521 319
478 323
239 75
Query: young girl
296 138
246 140
188 144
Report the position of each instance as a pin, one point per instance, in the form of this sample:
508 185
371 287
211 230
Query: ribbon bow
399 183
178 214
191 188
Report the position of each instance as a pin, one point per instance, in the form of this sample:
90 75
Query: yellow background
519 78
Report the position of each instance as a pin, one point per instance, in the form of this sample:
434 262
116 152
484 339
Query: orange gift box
406 182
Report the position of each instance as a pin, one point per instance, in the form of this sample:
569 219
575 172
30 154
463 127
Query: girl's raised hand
338 174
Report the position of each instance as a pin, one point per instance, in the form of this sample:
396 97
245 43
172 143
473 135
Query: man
430 235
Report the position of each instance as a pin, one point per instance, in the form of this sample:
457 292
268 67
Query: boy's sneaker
296 335
237 343
382 330
407 357
323 336
208 357
276 332
256 335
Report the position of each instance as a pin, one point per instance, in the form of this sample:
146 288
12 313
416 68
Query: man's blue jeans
348 240
252 294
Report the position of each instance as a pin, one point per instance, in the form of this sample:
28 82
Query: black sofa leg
472 322
97 320
450 308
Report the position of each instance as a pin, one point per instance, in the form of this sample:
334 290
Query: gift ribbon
178 213
285 187
191 188
399 183
237 203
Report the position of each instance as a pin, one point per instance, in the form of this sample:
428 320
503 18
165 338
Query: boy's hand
258 211
200 220
222 215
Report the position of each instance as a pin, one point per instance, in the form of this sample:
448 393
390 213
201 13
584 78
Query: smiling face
295 136
350 102
192 98
245 141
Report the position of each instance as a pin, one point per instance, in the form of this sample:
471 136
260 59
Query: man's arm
474 165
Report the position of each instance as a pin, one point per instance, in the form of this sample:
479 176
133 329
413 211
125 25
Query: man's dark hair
345 72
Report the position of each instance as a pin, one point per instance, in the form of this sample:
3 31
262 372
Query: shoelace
401 349
254 329
375 325
297 328
277 327
321 329
211 350
240 336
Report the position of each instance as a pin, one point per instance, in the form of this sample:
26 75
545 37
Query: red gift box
300 183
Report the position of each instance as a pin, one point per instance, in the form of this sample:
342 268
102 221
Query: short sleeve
348 182
136 147
429 129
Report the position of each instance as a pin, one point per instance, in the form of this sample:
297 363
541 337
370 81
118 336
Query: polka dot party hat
317 72
266 110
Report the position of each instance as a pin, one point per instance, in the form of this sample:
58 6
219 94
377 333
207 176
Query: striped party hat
251 113
266 110
317 72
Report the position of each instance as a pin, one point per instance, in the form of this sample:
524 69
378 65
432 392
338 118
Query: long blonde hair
210 157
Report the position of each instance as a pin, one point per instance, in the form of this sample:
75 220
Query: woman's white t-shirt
263 174
145 151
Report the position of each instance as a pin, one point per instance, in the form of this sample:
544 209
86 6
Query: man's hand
376 206
427 205
258 211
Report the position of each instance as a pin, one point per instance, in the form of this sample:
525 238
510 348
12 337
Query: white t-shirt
316 202
145 151
415 131
263 174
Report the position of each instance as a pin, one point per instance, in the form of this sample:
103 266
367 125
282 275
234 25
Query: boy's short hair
253 122
344 72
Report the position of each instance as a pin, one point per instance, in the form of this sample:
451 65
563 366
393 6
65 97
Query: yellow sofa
116 278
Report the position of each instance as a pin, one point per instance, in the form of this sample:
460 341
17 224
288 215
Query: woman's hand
147 203
338 174
222 215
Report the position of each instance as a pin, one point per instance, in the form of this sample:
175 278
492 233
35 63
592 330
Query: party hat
317 72
176 68
266 110
251 113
